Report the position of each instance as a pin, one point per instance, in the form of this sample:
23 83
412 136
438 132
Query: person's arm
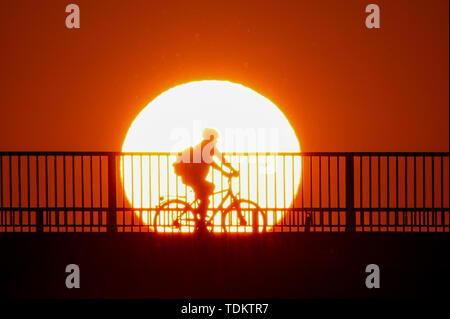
222 158
217 167
224 162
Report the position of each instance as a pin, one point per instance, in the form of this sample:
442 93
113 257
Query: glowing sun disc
246 122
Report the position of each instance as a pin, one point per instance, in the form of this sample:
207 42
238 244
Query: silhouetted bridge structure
299 192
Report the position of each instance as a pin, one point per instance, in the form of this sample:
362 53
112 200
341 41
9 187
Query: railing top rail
106 153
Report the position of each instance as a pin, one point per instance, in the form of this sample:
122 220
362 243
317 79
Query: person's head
210 134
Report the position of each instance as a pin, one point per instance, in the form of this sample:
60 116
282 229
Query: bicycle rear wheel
244 216
174 216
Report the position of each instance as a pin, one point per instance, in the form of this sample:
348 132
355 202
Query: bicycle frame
234 199
220 208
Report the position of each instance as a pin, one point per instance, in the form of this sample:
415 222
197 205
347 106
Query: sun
247 122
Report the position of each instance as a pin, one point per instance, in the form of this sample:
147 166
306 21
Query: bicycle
177 215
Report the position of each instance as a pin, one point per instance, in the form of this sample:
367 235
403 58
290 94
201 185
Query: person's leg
204 190
196 187
203 207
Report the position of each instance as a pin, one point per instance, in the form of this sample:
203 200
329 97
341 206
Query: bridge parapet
296 192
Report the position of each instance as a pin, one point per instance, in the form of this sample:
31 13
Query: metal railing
296 192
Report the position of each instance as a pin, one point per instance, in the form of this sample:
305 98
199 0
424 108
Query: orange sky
343 87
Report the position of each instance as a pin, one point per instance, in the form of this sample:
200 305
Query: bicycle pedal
176 224
243 222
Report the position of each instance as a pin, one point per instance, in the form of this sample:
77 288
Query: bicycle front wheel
174 216
244 216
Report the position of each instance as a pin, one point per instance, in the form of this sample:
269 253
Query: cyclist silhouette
193 167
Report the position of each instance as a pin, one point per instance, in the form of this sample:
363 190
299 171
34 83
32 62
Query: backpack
185 166
181 167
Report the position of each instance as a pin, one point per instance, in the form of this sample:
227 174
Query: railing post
39 220
255 219
112 209
350 216
307 222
